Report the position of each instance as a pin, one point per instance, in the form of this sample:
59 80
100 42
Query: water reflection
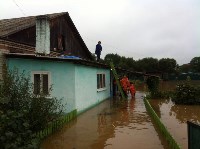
175 118
183 113
112 124
101 123
130 126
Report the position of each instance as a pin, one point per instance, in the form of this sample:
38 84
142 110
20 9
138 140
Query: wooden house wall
27 36
61 28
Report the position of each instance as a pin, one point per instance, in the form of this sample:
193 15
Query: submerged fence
57 124
173 144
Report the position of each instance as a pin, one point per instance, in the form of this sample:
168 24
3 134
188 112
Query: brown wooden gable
64 37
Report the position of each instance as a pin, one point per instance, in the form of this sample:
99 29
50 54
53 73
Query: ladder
117 80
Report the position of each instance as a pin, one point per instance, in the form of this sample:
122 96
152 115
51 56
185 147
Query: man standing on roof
98 50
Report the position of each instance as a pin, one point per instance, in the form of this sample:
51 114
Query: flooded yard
175 118
109 125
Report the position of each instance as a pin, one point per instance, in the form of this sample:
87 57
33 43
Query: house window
101 82
41 82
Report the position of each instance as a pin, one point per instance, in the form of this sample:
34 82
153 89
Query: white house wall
75 84
86 92
61 73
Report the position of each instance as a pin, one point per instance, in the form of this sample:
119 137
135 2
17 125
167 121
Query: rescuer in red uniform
125 83
132 90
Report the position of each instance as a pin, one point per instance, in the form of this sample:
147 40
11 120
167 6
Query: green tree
147 64
185 68
167 65
130 63
115 58
122 63
195 64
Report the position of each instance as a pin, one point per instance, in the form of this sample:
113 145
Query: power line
19 8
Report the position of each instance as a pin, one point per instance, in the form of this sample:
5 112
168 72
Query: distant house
51 51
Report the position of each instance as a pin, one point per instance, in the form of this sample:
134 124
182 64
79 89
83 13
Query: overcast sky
131 28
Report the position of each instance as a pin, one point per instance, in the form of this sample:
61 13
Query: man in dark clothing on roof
98 50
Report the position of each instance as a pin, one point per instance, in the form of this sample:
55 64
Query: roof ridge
61 13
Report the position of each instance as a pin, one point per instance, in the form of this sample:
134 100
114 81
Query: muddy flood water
175 118
109 126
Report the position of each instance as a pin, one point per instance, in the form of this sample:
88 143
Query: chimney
42 35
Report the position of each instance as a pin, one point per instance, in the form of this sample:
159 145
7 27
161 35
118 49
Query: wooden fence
57 124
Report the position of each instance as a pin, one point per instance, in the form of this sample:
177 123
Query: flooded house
50 50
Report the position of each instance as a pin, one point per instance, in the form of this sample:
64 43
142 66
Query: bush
153 84
155 93
186 94
15 131
15 91
43 110
22 112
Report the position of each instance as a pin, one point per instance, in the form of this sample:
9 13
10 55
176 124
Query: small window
45 84
104 81
36 83
41 83
61 42
98 81
101 82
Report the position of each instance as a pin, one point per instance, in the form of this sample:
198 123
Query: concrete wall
76 84
62 77
86 92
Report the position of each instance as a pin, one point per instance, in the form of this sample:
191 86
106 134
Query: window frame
41 83
101 82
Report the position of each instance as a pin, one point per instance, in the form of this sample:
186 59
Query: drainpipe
42 35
